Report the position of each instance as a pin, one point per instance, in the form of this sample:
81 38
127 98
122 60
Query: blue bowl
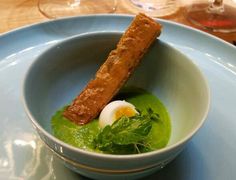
61 72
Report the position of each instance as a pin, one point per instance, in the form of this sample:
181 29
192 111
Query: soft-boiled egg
114 110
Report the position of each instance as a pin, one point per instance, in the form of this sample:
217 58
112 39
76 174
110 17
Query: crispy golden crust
115 71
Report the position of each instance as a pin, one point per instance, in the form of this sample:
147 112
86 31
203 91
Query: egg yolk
124 111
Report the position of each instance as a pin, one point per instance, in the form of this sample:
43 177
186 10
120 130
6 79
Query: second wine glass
63 8
155 8
213 15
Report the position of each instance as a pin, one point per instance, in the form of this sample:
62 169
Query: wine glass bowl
214 16
155 8
63 8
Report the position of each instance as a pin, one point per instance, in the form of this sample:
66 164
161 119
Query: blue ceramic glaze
57 76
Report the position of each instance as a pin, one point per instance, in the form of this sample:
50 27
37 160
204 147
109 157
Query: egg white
108 114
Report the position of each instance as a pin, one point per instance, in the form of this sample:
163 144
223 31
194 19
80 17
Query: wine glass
63 8
214 15
155 8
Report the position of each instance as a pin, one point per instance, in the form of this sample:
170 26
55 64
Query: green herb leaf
126 135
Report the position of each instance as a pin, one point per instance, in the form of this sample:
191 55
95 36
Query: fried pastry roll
115 71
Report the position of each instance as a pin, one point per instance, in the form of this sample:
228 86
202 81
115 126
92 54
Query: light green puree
83 136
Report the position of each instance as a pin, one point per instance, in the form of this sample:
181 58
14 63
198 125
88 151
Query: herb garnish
127 135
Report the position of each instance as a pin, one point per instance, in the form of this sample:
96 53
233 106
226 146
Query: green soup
83 136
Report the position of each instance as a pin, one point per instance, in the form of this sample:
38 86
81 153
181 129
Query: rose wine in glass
213 15
155 8
63 8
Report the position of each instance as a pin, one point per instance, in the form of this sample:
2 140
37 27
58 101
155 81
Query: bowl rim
103 155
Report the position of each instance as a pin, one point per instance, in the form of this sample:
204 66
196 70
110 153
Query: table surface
18 13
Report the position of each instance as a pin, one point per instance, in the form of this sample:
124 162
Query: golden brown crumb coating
115 71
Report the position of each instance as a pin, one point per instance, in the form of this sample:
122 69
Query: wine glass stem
216 6
218 2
